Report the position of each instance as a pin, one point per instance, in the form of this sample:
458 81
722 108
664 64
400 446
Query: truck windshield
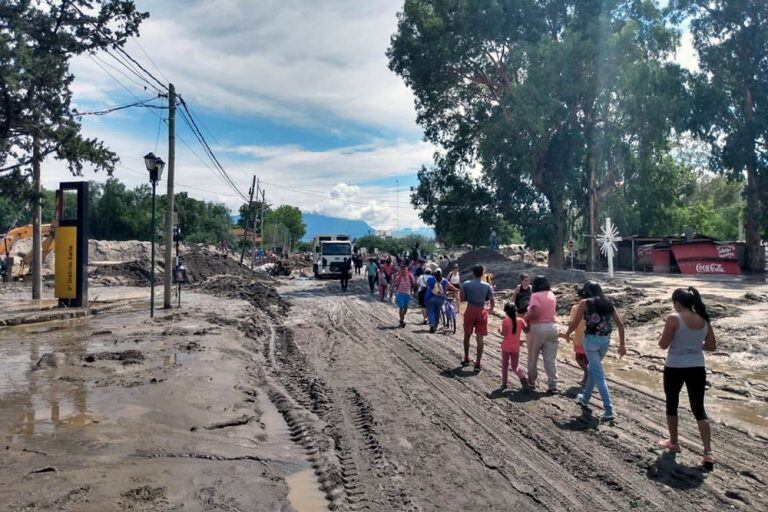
337 249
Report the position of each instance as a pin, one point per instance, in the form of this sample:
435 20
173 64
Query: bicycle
448 315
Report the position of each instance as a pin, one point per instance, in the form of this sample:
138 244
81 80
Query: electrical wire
109 110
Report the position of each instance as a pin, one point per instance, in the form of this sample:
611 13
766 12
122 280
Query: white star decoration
608 237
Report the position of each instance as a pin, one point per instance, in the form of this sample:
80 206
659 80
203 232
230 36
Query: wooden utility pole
168 274
249 214
261 220
37 234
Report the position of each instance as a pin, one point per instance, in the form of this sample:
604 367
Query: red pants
511 360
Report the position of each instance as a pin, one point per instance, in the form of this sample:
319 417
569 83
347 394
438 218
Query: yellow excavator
22 233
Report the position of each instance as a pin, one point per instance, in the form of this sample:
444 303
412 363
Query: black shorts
421 294
695 380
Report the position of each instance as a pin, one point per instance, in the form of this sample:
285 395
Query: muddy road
412 430
313 400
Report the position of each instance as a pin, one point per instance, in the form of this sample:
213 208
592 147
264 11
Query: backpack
437 289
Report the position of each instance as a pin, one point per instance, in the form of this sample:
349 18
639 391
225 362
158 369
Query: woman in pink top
542 339
404 283
511 328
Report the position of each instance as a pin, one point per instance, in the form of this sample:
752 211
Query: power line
109 110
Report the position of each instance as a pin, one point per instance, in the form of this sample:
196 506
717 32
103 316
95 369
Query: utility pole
168 274
261 220
37 233
247 219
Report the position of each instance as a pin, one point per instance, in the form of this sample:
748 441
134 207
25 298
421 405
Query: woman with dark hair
542 338
687 333
599 316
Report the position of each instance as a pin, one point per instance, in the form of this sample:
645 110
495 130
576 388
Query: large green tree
549 98
731 108
290 217
37 40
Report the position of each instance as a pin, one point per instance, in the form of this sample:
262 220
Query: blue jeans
596 347
434 306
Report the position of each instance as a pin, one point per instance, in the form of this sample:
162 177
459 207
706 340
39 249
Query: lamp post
155 166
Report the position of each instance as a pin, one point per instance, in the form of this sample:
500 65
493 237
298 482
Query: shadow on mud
460 372
586 421
666 470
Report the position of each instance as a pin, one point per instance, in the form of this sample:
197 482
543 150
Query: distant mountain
425 232
324 225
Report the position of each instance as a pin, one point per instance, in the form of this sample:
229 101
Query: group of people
532 311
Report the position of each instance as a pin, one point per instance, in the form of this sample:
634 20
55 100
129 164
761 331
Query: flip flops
667 444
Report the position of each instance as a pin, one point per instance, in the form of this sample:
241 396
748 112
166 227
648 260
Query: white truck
330 251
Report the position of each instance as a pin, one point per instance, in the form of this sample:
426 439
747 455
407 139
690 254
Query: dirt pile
255 290
482 255
130 273
202 263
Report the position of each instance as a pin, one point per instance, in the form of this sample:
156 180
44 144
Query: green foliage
254 215
276 235
202 221
400 245
289 217
554 100
37 39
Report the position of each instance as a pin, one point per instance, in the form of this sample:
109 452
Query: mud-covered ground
313 399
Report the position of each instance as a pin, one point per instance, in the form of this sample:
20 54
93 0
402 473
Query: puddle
303 492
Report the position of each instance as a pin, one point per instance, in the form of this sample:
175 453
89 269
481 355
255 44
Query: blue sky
295 91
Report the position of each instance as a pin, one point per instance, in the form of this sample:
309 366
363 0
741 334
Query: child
578 340
511 328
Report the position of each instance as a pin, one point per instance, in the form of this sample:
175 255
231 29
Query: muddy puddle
304 492
744 410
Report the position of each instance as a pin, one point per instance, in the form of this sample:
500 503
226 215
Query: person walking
521 295
404 283
346 273
511 329
578 338
358 263
371 272
381 277
599 315
687 334
476 293
454 277
389 272
543 335
434 298
492 240
421 285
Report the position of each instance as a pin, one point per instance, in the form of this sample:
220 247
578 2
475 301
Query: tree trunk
37 235
753 260
556 252
593 215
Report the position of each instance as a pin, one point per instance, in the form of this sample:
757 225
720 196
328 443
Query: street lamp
155 166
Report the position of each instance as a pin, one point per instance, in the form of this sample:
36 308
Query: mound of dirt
482 255
130 273
202 263
255 290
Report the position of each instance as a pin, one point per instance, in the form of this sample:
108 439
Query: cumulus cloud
292 60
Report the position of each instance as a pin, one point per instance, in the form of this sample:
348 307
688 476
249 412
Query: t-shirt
421 282
431 281
596 323
371 269
578 334
522 299
382 278
476 292
542 309
511 341
404 284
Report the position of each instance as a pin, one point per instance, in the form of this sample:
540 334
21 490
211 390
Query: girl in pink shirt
511 328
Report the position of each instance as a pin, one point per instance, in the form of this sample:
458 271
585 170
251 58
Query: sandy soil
315 400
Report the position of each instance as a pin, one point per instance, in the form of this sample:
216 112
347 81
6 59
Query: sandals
667 444
708 461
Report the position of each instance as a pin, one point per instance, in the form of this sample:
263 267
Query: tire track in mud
336 430
634 492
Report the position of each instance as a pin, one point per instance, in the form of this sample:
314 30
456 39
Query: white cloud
293 60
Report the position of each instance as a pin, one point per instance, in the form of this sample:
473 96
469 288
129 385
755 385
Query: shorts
476 318
420 296
402 299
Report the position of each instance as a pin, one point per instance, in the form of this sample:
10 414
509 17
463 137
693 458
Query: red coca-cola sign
726 252
710 268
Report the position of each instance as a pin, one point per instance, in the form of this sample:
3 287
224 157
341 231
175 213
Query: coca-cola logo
726 251
710 268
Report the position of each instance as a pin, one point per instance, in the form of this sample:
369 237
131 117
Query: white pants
543 339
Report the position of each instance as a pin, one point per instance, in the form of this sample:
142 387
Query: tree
731 93
37 39
290 217
459 207
536 94
253 215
